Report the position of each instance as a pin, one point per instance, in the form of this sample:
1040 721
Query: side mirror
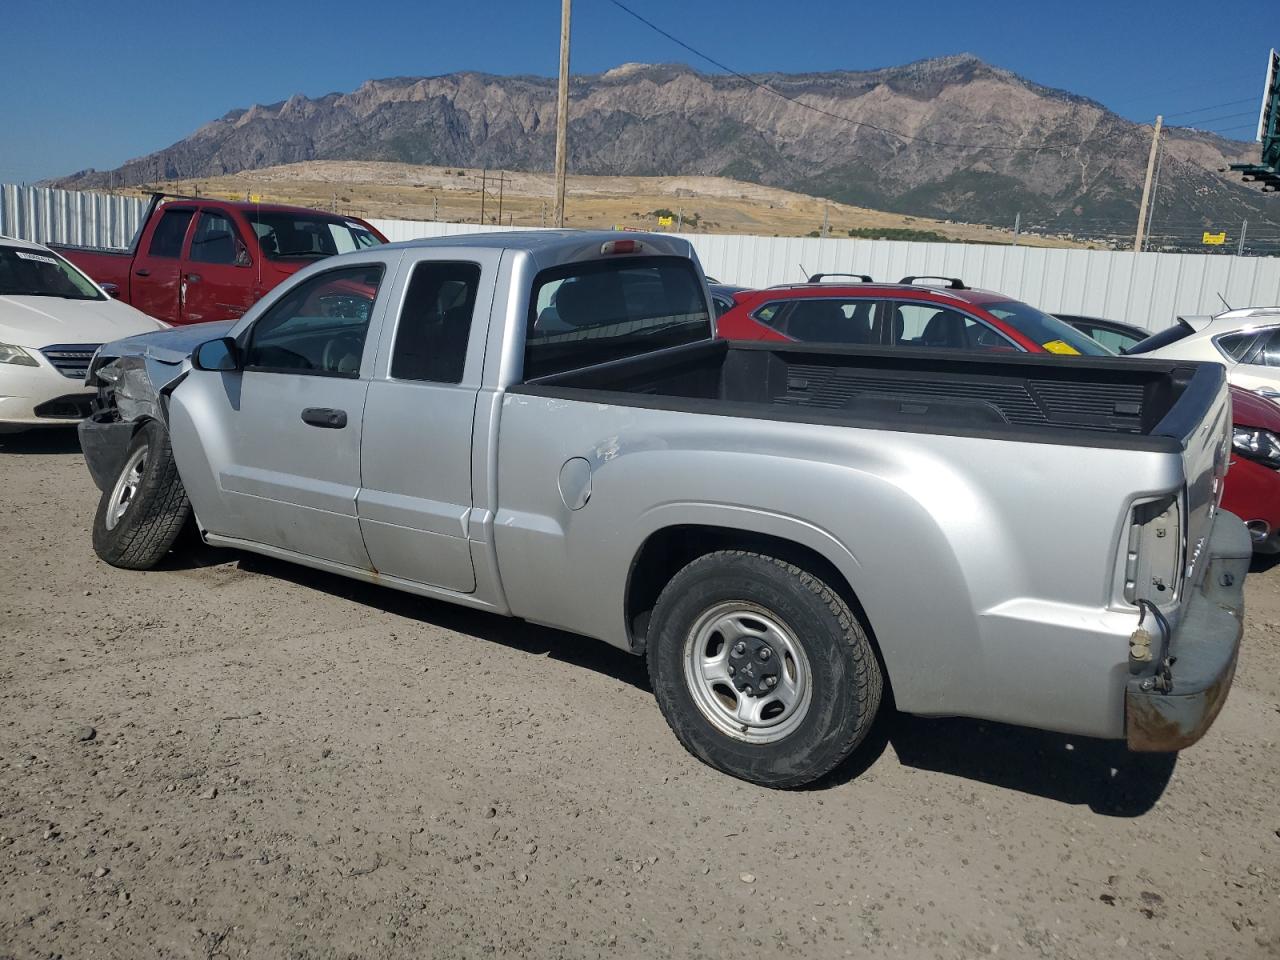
111 290
220 354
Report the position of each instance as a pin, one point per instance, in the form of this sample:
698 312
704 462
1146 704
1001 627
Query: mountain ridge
951 137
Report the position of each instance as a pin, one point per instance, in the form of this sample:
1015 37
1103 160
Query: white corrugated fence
1147 289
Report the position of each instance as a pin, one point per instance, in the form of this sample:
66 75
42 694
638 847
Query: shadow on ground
1100 774
43 441
1103 775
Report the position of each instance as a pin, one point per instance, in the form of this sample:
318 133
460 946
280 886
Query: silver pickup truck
543 425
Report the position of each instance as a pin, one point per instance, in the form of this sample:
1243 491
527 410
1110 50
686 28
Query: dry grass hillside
706 204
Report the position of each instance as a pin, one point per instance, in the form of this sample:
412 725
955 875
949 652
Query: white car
1245 341
52 319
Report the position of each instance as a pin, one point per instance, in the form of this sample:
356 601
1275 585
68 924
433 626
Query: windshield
602 310
42 273
284 235
1049 332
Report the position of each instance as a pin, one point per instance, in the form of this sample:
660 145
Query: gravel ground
235 757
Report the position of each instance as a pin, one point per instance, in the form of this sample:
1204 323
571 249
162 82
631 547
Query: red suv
903 314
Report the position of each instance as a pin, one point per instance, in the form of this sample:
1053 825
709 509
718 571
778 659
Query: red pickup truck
198 259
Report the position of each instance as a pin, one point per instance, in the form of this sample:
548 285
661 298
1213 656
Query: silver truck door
280 437
415 456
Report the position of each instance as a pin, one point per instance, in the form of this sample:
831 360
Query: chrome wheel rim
740 689
126 488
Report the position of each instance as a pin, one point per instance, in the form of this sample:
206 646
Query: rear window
284 235
587 313
1049 332
1178 331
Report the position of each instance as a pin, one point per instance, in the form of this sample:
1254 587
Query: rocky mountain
952 137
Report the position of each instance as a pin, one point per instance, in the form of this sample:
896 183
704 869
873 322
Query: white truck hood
41 321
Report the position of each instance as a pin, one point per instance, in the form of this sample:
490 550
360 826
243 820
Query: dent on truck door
217 273
416 486
270 453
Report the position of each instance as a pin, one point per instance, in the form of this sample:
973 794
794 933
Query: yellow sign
665 221
1058 346
1214 239
255 198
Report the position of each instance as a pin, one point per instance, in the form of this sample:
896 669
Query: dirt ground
234 757
402 191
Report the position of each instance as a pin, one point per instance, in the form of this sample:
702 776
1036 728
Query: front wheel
140 516
761 669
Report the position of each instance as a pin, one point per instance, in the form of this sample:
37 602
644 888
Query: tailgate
1201 421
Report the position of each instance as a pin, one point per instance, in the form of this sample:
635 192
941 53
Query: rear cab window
167 239
582 314
435 322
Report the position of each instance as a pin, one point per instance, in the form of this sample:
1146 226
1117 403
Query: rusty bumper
1173 705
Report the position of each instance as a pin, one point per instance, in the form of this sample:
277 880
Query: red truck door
154 287
218 271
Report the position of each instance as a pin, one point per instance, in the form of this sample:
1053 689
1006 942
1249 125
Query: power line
836 116
1195 124
1216 106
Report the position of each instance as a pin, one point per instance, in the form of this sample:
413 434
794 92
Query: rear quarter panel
986 568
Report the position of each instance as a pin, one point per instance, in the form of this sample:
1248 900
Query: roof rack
860 277
952 283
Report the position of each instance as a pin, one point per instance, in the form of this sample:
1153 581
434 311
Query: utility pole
680 219
1244 228
484 179
1146 187
1017 226
562 112
826 210
502 180
544 213
435 209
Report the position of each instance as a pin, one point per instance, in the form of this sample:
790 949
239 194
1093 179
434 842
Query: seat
590 300
944 329
823 321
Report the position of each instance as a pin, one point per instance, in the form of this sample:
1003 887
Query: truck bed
1108 402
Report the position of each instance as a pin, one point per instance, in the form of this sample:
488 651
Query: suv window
435 322
823 319
167 239
927 325
586 313
319 327
1267 351
216 240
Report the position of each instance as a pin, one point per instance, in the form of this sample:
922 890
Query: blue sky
91 84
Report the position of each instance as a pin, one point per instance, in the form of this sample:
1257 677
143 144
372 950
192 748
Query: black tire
845 675
156 512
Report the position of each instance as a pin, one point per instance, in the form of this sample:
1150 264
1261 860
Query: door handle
142 272
325 417
193 278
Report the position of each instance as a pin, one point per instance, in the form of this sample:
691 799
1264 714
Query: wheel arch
667 550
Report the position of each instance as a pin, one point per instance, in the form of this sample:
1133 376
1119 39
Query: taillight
1151 564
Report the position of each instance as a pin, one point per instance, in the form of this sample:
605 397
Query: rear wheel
761 669
140 515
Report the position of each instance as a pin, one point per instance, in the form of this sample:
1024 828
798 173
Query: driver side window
319 327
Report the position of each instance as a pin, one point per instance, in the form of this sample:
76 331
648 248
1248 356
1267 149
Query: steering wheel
338 350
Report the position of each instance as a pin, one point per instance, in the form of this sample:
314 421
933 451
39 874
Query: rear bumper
1172 704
